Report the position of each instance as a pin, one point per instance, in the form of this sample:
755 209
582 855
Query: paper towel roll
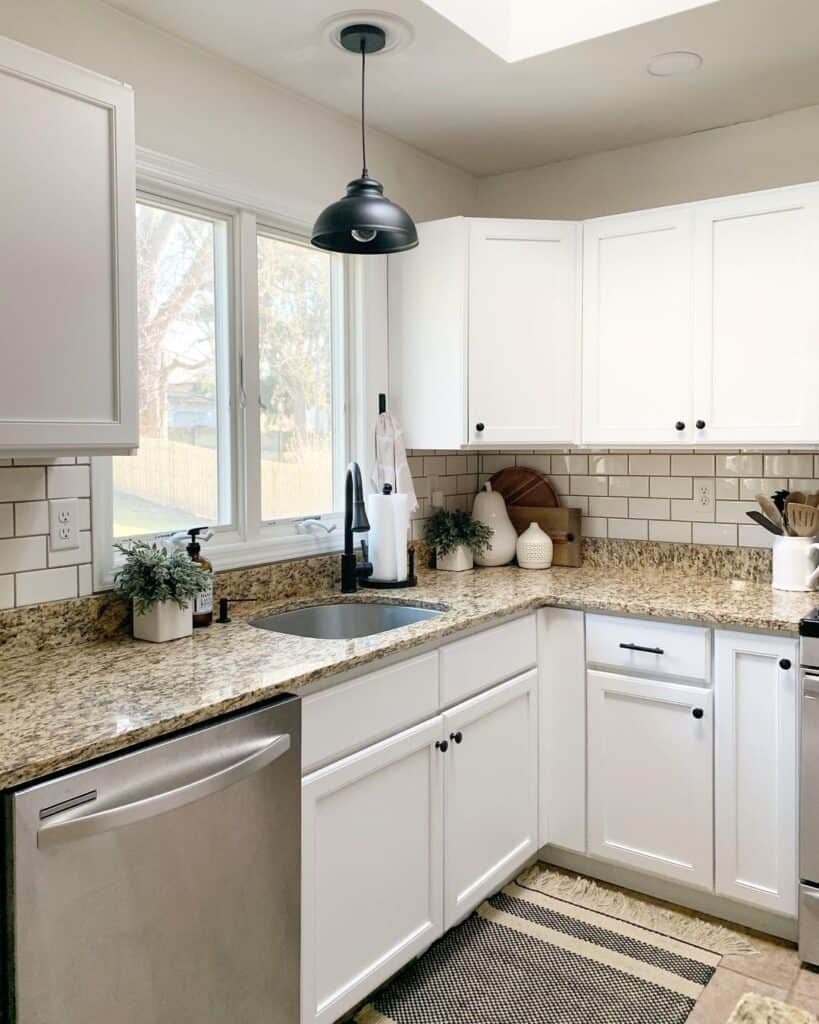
389 530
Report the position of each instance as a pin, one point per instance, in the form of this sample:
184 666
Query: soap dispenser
203 602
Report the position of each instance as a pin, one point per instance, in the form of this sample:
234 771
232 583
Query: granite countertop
62 707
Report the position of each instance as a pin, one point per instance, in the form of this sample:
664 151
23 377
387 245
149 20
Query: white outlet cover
63 515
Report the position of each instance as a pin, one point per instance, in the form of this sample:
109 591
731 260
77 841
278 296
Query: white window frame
249 540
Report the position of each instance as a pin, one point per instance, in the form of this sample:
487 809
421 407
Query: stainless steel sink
345 620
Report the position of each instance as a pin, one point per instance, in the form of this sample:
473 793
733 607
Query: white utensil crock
458 560
794 563
490 508
165 621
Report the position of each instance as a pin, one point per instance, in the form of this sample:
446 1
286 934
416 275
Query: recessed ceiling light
677 62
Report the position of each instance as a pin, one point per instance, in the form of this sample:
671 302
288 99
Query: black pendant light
364 220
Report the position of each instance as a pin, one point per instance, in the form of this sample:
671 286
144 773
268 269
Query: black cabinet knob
442 745
457 736
700 424
785 664
697 712
480 427
679 425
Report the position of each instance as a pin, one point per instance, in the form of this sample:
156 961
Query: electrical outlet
704 493
62 517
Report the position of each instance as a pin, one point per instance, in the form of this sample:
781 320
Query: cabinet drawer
478 662
347 717
659 648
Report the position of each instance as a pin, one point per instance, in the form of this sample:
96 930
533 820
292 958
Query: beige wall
202 109
779 150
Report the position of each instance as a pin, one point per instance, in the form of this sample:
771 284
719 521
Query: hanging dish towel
391 466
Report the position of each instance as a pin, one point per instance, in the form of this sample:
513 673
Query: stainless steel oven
809 792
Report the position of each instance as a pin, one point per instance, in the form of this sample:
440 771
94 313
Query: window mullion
249 370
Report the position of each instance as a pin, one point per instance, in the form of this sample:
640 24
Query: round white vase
534 548
490 508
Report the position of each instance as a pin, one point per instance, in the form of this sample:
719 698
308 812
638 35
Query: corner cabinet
483 334
67 258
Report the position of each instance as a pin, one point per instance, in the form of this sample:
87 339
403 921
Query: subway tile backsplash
30 572
656 496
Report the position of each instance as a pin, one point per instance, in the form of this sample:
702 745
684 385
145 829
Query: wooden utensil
563 525
797 498
764 522
522 486
771 511
803 519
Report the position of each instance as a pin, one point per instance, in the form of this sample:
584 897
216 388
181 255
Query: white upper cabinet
67 258
638 329
484 334
757 317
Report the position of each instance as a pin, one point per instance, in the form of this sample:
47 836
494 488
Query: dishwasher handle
126 814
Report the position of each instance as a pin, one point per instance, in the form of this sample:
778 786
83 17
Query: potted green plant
161 586
457 538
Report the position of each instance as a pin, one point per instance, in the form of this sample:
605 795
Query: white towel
391 466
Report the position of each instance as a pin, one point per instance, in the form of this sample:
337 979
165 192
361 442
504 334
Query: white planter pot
165 621
458 560
794 563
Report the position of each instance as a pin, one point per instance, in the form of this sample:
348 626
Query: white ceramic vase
535 548
490 508
458 560
165 621
794 563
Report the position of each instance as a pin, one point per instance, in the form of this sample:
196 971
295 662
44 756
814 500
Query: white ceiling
450 96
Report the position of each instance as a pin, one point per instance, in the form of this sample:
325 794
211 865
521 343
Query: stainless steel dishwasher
162 886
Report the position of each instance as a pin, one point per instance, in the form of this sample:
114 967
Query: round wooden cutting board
521 486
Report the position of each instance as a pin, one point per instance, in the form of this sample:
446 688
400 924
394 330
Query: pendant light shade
364 220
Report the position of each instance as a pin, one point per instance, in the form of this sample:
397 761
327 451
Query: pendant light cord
364 172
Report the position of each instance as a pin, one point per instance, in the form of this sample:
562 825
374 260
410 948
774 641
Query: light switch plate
62 518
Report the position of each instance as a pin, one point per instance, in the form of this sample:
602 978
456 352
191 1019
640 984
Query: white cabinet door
637 329
757 259
756 768
490 792
371 868
650 776
523 332
67 257
562 711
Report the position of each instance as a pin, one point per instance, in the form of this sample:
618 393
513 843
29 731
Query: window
242 386
181 476
295 379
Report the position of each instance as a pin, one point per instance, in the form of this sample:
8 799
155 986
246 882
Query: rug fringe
675 923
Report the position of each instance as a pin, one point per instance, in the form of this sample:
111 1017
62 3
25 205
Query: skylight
517 29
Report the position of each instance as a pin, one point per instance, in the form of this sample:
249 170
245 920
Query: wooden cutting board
562 524
521 486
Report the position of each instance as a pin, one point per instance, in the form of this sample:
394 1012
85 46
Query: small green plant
446 530
152 574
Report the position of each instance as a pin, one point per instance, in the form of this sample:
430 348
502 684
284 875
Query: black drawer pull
679 425
480 427
442 745
644 650
697 712
785 664
456 737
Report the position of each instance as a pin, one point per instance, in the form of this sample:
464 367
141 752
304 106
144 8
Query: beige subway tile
806 484
455 464
444 484
31 518
816 465
649 508
596 485
561 484
7 591
46 585
22 484
594 527
611 465
692 465
670 532
83 513
691 511
494 463
753 536
62 460
609 507
574 465
734 511
628 529
540 463
715 533
434 465
85 580
7 520
671 487
628 486
739 465
473 463
68 481
416 465
750 486
422 486
726 488
649 465
788 465
19 554
576 501
467 484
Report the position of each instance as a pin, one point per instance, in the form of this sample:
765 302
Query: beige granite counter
64 706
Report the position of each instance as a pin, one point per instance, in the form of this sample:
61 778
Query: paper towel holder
411 580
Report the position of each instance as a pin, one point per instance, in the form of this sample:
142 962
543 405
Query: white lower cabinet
372 882
491 793
756 769
650 776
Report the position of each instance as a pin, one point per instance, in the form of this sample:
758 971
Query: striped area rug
527 958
